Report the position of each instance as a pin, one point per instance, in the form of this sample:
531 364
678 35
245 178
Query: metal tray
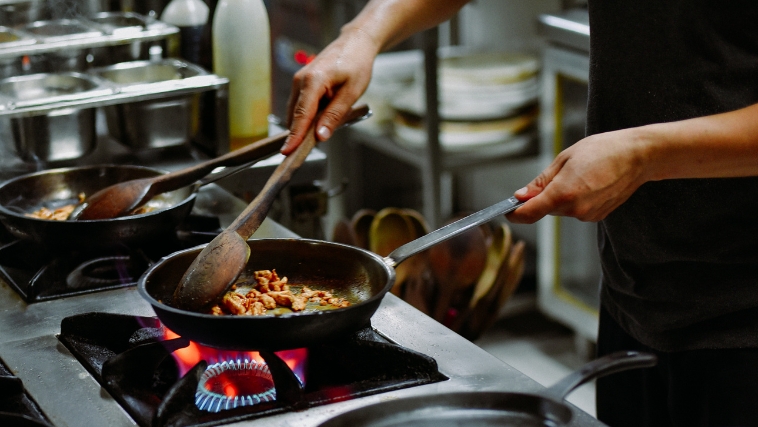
118 91
102 29
158 123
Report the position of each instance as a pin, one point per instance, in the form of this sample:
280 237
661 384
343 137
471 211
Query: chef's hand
588 180
332 83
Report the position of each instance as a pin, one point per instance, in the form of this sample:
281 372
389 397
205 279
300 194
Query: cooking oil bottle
242 53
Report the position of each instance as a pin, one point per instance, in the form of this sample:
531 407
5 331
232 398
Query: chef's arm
597 174
341 72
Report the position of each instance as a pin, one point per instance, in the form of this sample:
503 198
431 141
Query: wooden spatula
219 264
122 198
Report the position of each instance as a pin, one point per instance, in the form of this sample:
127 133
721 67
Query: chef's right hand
331 84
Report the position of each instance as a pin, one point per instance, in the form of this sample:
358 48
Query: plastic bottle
242 53
190 16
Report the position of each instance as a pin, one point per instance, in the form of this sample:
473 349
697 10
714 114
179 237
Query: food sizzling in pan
62 213
58 214
267 293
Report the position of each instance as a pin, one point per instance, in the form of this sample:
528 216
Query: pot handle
610 364
425 242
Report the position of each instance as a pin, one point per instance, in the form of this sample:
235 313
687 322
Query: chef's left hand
588 180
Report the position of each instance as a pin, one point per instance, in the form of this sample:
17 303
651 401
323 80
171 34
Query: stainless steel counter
70 397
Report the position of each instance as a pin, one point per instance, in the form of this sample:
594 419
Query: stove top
38 274
136 361
16 406
73 390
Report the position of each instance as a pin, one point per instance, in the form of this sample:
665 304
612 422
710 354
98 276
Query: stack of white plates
485 98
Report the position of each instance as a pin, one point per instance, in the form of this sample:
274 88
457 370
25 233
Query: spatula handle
187 176
251 218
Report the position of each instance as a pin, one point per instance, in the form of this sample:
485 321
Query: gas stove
101 358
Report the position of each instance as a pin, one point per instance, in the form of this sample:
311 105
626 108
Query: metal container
156 123
9 37
122 24
60 30
21 12
61 134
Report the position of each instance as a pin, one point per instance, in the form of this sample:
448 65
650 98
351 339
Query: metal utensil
218 265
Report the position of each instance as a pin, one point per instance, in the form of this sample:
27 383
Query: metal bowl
62 134
157 123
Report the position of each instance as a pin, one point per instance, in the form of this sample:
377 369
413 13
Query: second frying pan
57 187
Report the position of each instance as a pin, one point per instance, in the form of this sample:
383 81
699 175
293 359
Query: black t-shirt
680 257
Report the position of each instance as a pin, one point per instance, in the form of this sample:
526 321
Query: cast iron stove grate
17 408
39 274
129 357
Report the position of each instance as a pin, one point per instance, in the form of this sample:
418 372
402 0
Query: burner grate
38 274
130 358
17 408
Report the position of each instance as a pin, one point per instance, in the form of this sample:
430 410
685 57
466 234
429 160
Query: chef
669 171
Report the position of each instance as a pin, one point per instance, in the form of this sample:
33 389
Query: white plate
509 138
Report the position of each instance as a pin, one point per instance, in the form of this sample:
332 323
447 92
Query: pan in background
490 409
58 187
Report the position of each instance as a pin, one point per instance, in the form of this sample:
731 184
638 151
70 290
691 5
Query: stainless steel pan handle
606 365
425 242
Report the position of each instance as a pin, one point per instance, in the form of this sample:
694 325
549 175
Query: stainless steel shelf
100 36
521 146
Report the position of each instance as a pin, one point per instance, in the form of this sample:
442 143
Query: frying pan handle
610 364
425 242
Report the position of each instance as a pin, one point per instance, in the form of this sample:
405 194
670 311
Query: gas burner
38 273
233 384
146 374
17 408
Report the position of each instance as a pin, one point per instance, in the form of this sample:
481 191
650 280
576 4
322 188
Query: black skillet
58 187
490 409
361 276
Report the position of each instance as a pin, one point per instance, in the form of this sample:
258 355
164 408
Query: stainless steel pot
62 134
156 123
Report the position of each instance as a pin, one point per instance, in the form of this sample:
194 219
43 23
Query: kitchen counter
71 397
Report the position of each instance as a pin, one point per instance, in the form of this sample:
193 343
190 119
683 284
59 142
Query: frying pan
490 409
361 276
58 187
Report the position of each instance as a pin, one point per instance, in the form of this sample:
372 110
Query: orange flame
191 355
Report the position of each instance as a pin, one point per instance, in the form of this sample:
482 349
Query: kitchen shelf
100 35
435 164
522 145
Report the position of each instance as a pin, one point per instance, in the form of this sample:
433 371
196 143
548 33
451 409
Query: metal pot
62 134
156 123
